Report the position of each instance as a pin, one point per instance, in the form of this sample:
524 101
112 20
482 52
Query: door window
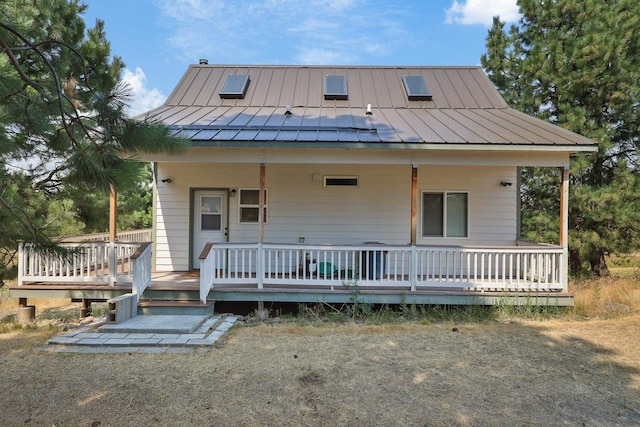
211 213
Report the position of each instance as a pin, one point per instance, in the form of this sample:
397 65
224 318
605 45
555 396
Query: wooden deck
303 273
185 286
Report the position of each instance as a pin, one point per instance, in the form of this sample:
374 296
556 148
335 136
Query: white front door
209 220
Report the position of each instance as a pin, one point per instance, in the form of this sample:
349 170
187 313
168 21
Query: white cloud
307 32
323 57
143 99
471 12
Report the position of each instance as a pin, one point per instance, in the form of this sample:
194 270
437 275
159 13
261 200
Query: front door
209 220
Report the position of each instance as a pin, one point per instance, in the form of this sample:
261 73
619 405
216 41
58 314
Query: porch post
113 214
113 233
564 226
261 203
414 203
414 222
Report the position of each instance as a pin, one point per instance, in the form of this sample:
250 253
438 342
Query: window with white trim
445 214
249 205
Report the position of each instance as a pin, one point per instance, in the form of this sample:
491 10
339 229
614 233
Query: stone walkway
145 334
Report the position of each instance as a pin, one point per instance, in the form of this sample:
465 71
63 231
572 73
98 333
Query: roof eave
394 146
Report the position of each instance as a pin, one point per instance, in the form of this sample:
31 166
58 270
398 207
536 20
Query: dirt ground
581 368
493 373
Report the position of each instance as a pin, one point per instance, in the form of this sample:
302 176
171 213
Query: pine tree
577 65
62 119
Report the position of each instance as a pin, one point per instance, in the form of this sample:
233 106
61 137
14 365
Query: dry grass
9 306
566 371
606 298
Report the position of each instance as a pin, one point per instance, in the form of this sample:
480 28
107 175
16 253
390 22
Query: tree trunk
575 264
599 266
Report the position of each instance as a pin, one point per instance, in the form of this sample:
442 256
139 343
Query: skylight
417 89
335 87
235 86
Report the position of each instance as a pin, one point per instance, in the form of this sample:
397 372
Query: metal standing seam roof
465 109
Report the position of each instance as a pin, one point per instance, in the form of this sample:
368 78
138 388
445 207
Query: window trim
252 206
445 204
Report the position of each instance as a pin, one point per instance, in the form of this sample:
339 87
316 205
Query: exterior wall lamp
233 192
505 184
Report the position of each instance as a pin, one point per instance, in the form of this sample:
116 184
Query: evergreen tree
134 205
62 120
577 65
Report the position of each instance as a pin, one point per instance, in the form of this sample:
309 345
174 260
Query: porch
269 272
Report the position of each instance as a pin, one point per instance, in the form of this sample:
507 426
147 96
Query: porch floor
185 286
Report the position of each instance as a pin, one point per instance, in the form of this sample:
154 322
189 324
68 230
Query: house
303 182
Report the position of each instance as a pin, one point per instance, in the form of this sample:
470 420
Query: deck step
184 307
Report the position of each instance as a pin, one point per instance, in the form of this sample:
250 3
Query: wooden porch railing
531 268
88 262
143 235
141 262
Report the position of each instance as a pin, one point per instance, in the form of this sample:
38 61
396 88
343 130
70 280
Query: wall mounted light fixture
233 192
287 111
167 180
505 184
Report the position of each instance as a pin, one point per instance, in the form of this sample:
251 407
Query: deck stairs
146 334
161 300
172 300
163 319
174 307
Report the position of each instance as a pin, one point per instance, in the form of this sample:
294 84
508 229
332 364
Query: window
335 87
211 213
416 88
340 181
235 86
444 214
250 205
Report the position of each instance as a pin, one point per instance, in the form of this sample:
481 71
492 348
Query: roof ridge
316 66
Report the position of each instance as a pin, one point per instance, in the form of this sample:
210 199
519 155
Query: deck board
185 285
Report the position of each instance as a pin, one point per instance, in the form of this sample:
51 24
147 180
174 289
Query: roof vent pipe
369 110
203 61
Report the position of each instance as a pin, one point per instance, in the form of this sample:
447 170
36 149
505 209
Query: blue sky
158 39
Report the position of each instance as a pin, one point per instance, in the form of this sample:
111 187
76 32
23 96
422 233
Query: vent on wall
340 181
416 88
235 86
335 87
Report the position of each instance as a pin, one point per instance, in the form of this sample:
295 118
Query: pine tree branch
60 95
22 217
16 65
626 153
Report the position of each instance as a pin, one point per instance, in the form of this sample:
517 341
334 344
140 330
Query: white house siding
299 205
173 211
